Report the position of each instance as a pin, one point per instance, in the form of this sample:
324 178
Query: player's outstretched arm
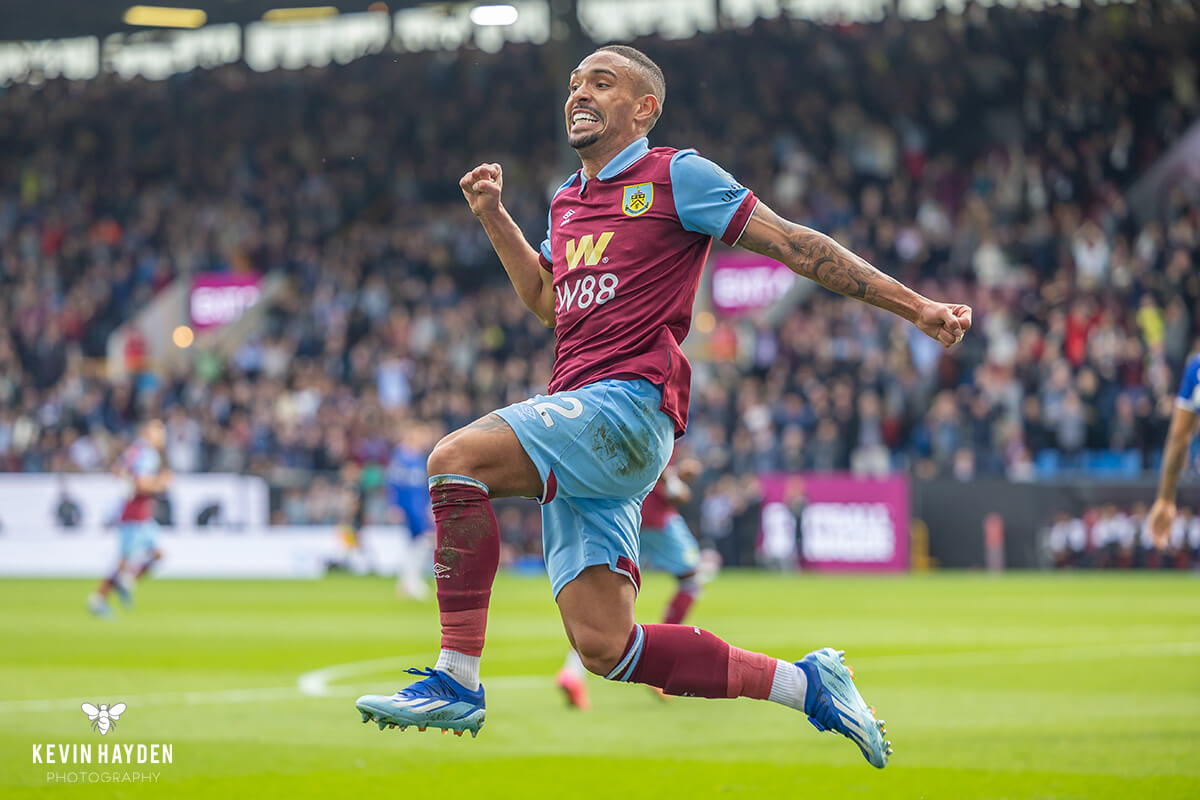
818 257
481 187
1179 439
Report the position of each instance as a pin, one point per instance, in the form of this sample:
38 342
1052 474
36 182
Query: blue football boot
833 703
438 701
98 605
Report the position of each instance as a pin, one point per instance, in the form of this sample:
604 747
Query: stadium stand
397 309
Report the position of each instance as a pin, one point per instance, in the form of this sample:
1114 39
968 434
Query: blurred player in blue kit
408 491
142 465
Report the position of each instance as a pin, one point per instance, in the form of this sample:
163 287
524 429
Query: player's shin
685 660
465 562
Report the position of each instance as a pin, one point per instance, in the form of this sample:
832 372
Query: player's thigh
597 609
604 440
489 451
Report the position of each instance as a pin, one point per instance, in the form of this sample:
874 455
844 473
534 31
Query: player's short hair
649 72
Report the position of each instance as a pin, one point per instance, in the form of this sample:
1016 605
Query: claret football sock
465 562
685 660
685 595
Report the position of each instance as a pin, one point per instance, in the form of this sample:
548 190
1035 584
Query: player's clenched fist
946 322
1162 515
481 186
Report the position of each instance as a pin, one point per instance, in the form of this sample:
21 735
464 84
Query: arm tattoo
818 257
489 423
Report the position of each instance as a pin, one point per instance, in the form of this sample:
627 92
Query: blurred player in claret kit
408 487
667 545
616 277
1179 441
142 464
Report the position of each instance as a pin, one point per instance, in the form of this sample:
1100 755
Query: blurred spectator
1110 537
983 156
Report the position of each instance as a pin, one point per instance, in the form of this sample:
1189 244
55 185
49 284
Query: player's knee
450 457
600 651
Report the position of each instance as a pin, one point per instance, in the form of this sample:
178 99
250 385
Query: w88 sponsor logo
586 291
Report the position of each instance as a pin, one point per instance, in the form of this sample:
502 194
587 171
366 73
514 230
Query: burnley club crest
637 199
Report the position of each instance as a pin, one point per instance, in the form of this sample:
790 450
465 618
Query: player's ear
645 110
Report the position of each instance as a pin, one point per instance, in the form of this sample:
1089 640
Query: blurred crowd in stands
985 158
1110 537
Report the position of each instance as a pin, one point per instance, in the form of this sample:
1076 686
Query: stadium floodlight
164 17
299 14
493 15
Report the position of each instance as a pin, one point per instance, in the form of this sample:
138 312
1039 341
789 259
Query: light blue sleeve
1189 387
545 249
707 198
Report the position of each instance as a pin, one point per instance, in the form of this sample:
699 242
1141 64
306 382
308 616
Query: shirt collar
620 162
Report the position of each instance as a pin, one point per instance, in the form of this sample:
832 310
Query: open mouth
582 119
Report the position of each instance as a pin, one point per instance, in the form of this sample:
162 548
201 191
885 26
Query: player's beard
584 140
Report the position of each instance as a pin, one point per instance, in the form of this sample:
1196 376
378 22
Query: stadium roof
21 20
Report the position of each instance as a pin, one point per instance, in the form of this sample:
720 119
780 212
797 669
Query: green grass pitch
1022 686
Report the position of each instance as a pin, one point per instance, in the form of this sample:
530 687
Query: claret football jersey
627 249
657 507
140 460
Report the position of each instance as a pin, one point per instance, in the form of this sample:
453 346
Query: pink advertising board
744 282
845 523
218 298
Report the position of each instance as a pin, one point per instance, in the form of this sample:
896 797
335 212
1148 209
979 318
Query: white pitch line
500 682
316 683
193 698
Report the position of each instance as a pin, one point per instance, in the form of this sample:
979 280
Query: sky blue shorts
599 451
671 549
138 538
